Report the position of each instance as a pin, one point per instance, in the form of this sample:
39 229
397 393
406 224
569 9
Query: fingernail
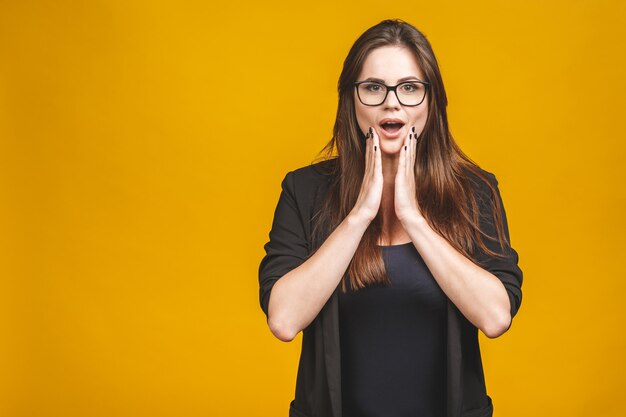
375 147
413 128
371 131
405 147
410 134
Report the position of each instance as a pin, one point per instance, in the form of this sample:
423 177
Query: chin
391 150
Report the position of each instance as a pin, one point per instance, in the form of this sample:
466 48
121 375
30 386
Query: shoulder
482 191
308 185
478 177
313 175
479 182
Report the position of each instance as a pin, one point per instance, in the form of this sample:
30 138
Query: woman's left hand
405 199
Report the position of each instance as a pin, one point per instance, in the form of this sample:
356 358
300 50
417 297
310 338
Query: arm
488 297
293 288
300 294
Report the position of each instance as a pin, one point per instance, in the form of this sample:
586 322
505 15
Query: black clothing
318 390
393 342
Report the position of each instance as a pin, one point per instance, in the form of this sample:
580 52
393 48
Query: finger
368 156
413 151
402 158
377 153
372 141
407 153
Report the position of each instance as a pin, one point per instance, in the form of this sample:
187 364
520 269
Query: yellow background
142 145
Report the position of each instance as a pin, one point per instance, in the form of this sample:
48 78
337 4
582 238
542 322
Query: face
390 64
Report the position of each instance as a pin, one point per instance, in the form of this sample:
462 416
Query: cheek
365 117
420 117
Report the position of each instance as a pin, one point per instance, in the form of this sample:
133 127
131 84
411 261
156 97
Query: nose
392 100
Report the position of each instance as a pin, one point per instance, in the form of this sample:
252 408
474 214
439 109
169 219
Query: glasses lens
410 93
372 94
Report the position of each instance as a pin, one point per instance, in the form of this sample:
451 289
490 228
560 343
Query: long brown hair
444 188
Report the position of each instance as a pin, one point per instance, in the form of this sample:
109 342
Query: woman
391 255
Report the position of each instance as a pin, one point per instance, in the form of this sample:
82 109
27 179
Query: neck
389 221
390 168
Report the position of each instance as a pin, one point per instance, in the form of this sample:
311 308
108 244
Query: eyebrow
399 81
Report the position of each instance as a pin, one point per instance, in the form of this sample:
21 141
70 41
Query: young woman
390 255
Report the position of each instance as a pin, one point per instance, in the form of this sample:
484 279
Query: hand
405 199
371 192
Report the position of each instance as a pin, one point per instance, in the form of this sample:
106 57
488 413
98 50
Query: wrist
358 220
414 219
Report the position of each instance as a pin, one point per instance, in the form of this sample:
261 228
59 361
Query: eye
410 87
373 87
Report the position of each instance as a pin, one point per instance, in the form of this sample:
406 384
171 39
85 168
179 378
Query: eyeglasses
409 93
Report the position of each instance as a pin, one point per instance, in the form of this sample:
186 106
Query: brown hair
442 171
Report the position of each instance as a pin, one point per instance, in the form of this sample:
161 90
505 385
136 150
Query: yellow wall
142 145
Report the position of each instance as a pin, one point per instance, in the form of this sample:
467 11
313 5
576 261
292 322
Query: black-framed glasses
409 93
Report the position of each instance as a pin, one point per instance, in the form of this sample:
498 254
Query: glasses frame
391 88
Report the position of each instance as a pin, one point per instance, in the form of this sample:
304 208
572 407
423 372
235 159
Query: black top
393 342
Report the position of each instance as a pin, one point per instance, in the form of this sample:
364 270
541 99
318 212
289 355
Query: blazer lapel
454 362
332 353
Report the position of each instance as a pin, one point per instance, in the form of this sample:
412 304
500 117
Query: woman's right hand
371 192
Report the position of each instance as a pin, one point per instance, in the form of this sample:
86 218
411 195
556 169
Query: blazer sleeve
287 247
506 269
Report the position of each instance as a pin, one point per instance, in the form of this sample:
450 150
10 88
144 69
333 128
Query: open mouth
391 127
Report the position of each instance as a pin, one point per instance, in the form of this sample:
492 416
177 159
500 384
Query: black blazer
318 384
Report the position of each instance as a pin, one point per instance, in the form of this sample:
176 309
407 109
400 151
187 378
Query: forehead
390 63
